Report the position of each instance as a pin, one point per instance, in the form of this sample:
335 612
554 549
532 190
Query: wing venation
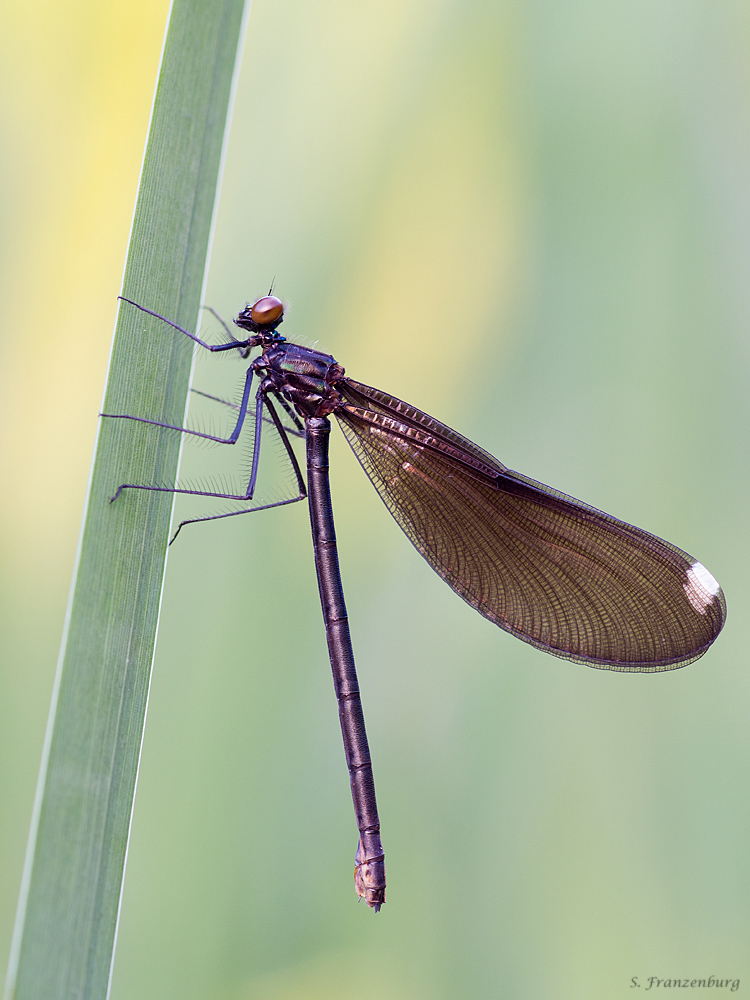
545 567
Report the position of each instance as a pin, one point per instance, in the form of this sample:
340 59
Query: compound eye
267 311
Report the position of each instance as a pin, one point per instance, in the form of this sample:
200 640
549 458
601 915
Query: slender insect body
549 569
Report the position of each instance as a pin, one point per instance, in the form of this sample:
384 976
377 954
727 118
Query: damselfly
563 576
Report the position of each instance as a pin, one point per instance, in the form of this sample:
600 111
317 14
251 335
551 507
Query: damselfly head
263 315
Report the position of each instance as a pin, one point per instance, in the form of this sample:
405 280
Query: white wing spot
701 587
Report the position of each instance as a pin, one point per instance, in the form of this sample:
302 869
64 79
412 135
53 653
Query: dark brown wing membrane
549 569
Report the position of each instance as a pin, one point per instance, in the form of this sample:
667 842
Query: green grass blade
67 916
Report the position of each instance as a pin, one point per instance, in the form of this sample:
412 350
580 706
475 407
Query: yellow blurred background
529 219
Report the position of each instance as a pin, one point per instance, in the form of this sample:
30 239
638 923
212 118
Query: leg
283 434
370 866
234 513
247 495
291 414
298 430
251 487
227 330
216 399
241 344
185 430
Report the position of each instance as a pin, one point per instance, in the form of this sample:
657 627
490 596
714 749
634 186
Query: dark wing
549 569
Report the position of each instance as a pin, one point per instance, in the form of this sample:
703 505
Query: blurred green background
531 220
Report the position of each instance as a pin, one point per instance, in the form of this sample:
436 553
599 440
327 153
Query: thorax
303 376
